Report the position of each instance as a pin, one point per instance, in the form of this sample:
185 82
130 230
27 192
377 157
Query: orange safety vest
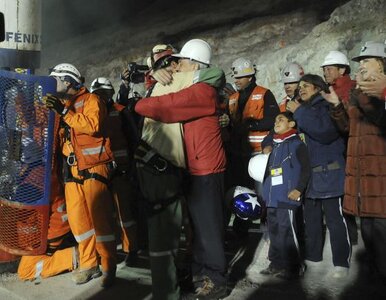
254 108
283 104
90 149
119 142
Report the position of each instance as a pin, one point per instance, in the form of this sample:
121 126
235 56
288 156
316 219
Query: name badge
276 172
277 177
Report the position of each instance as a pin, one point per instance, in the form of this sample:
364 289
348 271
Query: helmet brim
179 55
360 57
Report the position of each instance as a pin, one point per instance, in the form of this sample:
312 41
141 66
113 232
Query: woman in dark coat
325 190
365 187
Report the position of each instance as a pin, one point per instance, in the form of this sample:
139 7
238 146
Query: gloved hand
251 124
223 120
54 103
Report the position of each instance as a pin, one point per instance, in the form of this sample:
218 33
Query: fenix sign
22 22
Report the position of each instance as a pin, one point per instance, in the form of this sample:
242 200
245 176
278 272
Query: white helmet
371 49
335 58
160 53
63 70
101 83
257 166
292 72
243 67
197 50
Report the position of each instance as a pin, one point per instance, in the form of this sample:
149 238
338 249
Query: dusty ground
245 282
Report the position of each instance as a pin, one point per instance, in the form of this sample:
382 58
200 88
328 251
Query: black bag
160 181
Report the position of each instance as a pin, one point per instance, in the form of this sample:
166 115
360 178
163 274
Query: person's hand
294 195
332 97
162 76
54 103
292 106
267 149
375 87
224 120
125 76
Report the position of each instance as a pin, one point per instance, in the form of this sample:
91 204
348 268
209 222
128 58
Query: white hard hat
197 50
63 70
160 53
257 165
243 67
101 83
335 58
372 49
292 72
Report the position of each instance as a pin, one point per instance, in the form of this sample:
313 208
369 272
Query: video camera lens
136 72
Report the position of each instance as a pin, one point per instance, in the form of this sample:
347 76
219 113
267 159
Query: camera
136 72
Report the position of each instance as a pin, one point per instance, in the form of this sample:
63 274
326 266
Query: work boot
83 276
271 271
108 279
209 290
131 259
287 274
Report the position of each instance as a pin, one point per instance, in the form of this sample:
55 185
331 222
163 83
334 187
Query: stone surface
245 282
269 37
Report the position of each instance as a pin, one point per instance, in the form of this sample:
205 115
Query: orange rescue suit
85 116
254 108
88 199
32 267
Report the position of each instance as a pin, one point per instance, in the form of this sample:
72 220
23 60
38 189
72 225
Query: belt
332 166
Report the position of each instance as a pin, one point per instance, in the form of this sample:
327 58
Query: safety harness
150 162
69 161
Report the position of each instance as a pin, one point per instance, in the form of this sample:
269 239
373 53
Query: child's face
282 124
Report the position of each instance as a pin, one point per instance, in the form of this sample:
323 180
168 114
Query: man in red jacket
336 71
196 107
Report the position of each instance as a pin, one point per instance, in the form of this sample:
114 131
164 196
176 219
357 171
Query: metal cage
26 152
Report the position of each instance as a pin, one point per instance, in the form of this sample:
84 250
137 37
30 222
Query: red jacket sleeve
196 101
384 94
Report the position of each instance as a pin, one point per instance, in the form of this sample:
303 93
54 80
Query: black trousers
205 204
336 224
284 251
374 237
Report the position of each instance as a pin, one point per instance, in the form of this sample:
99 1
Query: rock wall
269 39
